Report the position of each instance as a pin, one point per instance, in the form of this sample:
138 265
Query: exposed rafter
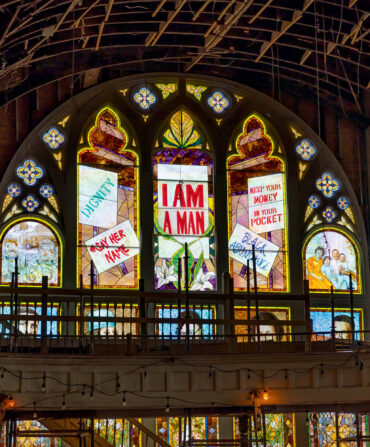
219 31
285 25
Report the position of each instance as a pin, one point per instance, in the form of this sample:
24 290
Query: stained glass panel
257 210
175 431
330 257
30 441
118 432
277 431
205 330
108 206
267 332
183 207
322 322
339 429
37 249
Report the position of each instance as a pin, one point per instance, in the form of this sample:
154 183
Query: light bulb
124 401
265 395
43 388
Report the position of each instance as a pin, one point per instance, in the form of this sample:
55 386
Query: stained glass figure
53 202
183 207
218 102
306 150
173 330
328 184
38 250
46 191
30 203
196 90
117 432
145 98
314 201
344 429
15 209
307 213
108 206
167 89
14 190
278 430
350 214
175 432
330 257
53 138
329 214
257 210
322 323
29 172
267 332
343 202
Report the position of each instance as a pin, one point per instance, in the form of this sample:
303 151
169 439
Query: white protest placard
266 203
97 197
114 246
183 208
240 249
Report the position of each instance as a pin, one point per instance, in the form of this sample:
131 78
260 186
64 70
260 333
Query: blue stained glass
14 190
46 191
28 326
322 320
171 329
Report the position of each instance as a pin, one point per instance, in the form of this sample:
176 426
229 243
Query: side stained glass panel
117 432
322 323
183 207
175 432
344 429
277 431
37 250
108 221
257 211
29 441
331 260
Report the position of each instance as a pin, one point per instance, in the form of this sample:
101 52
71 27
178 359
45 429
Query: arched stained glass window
183 207
108 206
36 248
257 210
330 259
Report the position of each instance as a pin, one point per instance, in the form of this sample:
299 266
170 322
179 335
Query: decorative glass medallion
314 201
167 89
196 90
46 191
343 203
14 190
329 214
145 98
53 138
327 184
218 102
306 150
30 203
30 172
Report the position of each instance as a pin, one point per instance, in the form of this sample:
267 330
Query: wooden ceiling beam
101 27
285 25
260 11
153 38
220 31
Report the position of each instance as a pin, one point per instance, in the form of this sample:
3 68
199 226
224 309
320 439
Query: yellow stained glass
196 90
167 89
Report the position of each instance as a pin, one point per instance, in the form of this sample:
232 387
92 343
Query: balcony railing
98 322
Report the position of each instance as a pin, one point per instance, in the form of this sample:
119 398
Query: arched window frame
86 146
278 154
53 230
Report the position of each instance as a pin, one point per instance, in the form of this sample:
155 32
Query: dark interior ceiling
319 46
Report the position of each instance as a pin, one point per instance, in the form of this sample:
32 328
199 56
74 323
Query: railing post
256 296
187 315
352 309
142 313
332 316
248 302
231 305
307 316
44 312
226 291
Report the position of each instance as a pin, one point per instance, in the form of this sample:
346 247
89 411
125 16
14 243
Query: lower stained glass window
118 432
175 431
169 330
277 431
28 441
339 429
